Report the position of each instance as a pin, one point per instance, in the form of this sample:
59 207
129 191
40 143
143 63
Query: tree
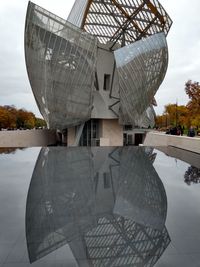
25 119
183 117
7 117
40 123
171 112
4 118
174 115
186 116
11 117
192 89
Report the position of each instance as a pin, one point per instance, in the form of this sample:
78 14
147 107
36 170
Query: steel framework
120 21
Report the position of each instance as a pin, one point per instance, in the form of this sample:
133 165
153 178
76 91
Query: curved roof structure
121 21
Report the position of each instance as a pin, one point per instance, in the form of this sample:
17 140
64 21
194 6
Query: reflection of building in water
151 154
118 241
191 158
108 204
192 175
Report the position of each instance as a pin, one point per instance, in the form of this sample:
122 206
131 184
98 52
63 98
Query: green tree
40 123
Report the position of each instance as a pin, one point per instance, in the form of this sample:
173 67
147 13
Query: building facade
95 74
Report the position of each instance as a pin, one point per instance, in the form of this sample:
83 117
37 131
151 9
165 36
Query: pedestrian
180 130
191 132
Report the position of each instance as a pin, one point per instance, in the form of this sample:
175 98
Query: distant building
95 75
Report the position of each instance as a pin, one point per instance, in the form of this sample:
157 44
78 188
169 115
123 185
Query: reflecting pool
95 206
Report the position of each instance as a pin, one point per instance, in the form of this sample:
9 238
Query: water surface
130 206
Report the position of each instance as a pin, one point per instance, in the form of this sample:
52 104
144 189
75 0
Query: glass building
95 74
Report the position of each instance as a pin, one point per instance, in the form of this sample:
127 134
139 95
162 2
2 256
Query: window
106 83
90 134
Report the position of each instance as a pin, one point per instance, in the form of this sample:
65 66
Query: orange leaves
192 89
12 118
184 115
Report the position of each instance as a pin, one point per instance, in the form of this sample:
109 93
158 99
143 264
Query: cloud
184 46
14 85
21 100
183 42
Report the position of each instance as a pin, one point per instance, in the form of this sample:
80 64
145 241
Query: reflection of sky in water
182 223
183 214
15 174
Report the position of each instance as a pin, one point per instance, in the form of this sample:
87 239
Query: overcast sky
183 41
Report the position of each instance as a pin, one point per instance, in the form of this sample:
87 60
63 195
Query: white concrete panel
183 142
27 138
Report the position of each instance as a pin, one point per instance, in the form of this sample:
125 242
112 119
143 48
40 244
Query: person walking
191 132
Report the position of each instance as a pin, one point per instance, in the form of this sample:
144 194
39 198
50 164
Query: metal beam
155 11
128 21
126 15
86 13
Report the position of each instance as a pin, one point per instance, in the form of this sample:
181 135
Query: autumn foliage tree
11 117
186 116
25 119
173 115
7 117
192 89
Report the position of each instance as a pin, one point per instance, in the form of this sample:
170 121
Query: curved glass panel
148 118
107 204
60 60
141 68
